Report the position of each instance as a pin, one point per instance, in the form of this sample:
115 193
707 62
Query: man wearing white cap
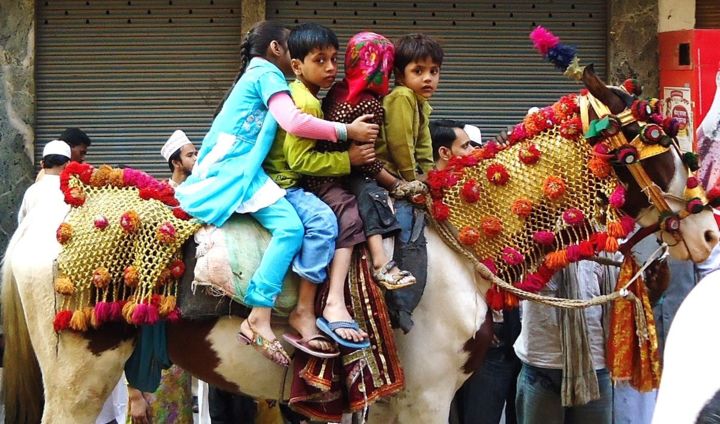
181 155
452 138
46 191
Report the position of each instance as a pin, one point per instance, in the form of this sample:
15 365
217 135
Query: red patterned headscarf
368 63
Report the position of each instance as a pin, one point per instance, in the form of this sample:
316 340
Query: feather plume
543 40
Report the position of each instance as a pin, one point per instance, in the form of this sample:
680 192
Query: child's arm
399 111
304 159
423 149
295 122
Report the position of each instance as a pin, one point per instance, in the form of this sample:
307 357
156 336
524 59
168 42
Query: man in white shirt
46 191
181 155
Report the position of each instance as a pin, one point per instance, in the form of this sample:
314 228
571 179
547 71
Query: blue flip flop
330 327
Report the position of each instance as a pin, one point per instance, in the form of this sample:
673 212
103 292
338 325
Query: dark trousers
229 408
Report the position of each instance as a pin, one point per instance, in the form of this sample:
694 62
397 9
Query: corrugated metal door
707 14
130 72
491 74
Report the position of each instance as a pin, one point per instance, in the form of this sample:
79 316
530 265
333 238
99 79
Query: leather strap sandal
393 281
272 350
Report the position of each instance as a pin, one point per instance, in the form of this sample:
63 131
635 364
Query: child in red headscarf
368 64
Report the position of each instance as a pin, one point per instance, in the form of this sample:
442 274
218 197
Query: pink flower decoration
101 222
617 198
512 257
573 216
545 238
490 264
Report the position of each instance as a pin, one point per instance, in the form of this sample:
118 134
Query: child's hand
362 131
361 154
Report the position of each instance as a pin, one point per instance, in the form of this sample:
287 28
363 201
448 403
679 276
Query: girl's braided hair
255 44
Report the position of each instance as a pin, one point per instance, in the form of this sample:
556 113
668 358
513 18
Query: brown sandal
267 348
393 281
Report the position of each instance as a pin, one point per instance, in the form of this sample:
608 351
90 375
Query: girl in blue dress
228 176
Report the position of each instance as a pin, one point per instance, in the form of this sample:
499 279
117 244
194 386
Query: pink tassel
152 316
115 311
574 253
617 198
102 312
628 224
174 315
139 314
543 40
490 264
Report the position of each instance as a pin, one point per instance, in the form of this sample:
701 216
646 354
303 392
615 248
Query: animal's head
661 191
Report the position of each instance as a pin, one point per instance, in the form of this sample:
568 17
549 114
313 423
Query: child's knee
291 232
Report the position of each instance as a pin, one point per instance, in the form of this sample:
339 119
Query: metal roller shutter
130 72
707 14
491 74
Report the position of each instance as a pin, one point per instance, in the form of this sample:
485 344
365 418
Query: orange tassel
78 322
611 245
557 259
615 229
167 305
511 301
127 311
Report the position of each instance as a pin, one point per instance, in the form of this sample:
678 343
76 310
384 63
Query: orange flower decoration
131 276
491 226
64 286
469 235
130 221
101 277
165 233
554 187
64 233
522 207
599 167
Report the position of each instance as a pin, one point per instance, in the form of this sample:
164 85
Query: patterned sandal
268 349
393 281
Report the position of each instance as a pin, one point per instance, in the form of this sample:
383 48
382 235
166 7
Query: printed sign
678 105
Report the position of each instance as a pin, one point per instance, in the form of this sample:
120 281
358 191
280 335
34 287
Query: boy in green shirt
313 52
405 148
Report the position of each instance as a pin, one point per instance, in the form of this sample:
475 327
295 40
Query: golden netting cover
120 252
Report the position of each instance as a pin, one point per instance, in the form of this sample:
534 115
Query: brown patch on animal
479 345
108 337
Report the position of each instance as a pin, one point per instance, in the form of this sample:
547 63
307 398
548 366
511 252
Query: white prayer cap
473 133
57 147
174 143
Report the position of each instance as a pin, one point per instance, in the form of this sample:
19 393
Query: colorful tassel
102 312
78 321
115 311
139 314
62 320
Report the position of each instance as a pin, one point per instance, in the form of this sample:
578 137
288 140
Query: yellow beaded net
120 253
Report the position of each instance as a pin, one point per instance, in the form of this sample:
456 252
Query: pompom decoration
692 182
543 40
617 198
469 235
177 268
64 233
571 129
470 191
165 233
130 221
632 86
497 174
599 167
573 216
491 226
522 207
494 298
545 238
690 160
62 320
695 205
100 222
628 224
131 276
179 213
490 264
529 154
512 257
64 286
440 210
671 126
554 187
101 277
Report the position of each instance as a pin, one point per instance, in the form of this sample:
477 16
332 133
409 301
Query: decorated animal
74 371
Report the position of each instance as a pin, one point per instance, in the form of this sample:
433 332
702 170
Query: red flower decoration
469 235
491 226
571 129
440 210
101 222
529 154
573 216
490 264
130 221
64 233
177 268
511 256
179 213
518 134
165 233
470 191
545 238
554 187
488 151
522 207
497 174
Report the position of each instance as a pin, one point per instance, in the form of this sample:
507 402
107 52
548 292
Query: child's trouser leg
321 230
287 231
410 255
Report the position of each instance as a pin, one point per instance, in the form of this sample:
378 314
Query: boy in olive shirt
405 148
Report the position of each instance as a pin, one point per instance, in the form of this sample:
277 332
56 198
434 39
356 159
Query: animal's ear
601 92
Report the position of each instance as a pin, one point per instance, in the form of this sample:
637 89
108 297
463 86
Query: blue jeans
538 399
287 232
321 230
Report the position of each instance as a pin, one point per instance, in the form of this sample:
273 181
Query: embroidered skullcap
57 147
369 60
174 143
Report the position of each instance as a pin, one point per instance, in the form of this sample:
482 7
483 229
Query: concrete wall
17 116
675 15
632 43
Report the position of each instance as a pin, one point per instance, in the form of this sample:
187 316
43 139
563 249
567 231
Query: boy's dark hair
442 134
414 47
255 44
51 161
75 137
174 156
306 37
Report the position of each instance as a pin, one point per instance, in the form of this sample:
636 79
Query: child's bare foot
304 322
259 334
336 311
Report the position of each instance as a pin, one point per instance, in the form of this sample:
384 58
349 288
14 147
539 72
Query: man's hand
361 154
361 131
139 408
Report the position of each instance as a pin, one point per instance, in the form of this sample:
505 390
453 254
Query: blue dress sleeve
269 84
